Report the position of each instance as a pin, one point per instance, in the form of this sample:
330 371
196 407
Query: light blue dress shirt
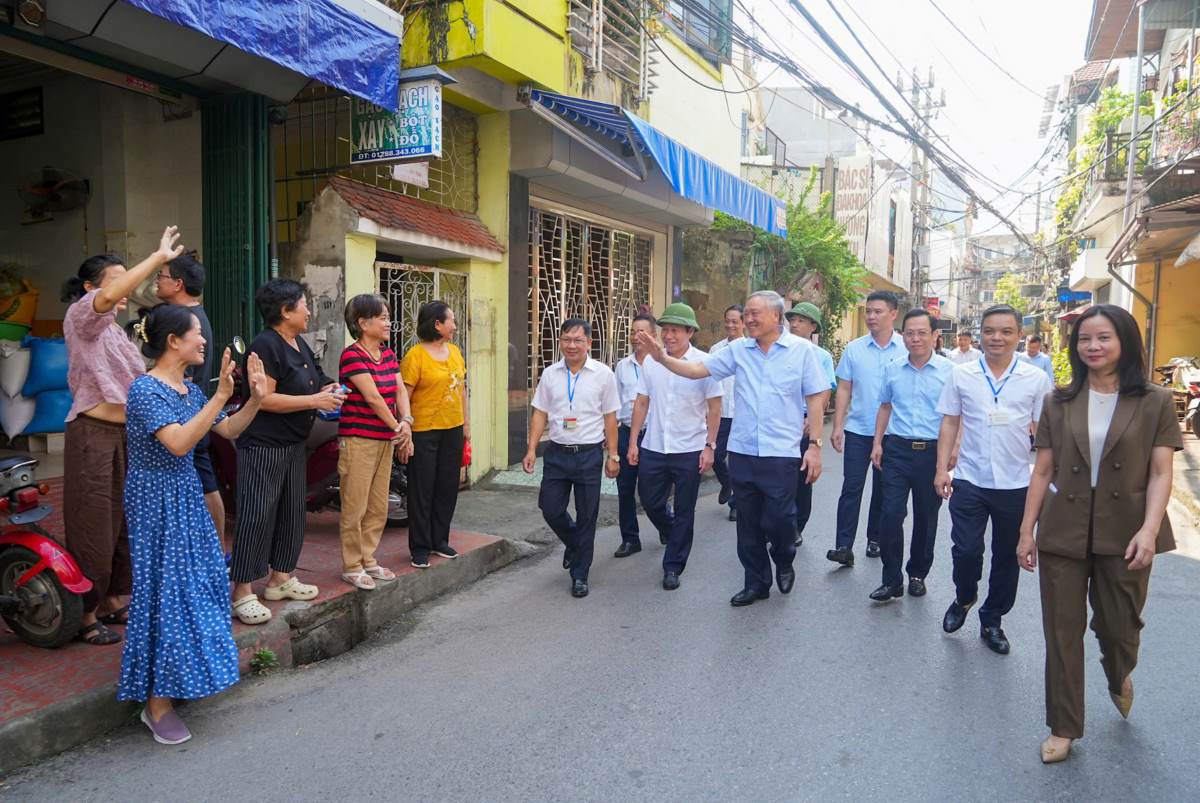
914 396
862 364
826 360
1042 361
628 373
770 393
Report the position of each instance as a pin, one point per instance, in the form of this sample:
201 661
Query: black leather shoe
785 579
626 549
568 556
872 549
955 616
916 587
799 537
724 495
662 539
842 556
671 581
579 588
733 514
887 593
748 597
995 639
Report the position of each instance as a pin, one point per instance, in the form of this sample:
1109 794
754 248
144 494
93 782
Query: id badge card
998 418
570 423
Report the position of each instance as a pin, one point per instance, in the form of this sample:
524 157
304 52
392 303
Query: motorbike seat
12 461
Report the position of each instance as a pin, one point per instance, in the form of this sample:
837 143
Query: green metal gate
236 181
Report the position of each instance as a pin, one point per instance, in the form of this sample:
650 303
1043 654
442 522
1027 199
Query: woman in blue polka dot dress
179 641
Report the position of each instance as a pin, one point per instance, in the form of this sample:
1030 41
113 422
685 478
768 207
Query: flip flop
103 636
359 579
118 617
380 573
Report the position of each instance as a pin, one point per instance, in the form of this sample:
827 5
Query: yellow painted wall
360 268
1178 330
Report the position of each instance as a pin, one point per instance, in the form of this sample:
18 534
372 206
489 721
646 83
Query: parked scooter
41 585
1190 422
321 469
1179 374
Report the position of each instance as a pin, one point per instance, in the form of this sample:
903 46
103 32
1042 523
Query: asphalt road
512 690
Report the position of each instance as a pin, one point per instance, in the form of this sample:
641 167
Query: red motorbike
41 585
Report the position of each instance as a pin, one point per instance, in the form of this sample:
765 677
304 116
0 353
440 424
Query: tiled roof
1092 71
393 210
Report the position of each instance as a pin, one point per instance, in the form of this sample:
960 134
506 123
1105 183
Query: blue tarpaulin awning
690 174
316 38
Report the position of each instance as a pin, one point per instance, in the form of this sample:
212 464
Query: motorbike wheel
398 499
50 614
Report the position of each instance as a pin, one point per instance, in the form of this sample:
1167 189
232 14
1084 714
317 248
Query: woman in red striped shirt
375 421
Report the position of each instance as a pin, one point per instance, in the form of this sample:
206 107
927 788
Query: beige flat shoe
1124 700
291 588
250 611
1053 753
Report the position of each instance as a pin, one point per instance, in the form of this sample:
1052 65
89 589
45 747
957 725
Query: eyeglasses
574 341
161 276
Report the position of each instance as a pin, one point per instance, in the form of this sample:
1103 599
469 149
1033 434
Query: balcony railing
1107 173
610 35
1177 135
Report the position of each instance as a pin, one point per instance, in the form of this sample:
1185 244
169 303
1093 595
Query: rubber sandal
359 579
118 617
380 573
292 588
103 636
250 611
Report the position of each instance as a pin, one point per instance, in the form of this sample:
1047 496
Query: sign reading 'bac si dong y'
414 131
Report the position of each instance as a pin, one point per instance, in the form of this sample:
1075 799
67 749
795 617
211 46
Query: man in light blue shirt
907 456
1034 355
779 379
860 375
804 321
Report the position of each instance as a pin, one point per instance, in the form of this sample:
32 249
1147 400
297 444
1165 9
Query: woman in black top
271 454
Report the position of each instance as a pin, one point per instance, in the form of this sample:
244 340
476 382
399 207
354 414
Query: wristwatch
817 443
712 446
408 419
616 458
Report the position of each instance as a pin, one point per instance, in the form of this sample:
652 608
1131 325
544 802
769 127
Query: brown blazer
1138 425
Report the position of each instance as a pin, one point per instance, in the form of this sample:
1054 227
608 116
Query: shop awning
1071 315
271 47
689 174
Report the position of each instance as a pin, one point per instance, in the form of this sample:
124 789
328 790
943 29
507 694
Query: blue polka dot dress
179 642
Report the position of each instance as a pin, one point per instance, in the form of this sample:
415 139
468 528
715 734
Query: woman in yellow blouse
435 376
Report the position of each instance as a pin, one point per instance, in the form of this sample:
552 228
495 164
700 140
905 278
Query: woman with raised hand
102 363
179 642
1098 500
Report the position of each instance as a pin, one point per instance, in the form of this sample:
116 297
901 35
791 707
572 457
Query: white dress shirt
677 422
962 357
628 372
996 414
727 384
576 414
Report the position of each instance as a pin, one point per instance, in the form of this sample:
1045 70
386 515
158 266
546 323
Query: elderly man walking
682 417
779 379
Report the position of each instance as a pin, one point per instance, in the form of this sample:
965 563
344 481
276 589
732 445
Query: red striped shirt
358 419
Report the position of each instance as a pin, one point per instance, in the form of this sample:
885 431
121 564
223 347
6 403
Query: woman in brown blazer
1098 497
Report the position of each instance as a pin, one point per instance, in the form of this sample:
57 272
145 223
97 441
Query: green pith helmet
679 314
807 309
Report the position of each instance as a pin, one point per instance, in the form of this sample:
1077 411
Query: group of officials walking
929 428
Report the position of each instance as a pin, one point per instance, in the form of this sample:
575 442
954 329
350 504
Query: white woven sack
15 414
14 369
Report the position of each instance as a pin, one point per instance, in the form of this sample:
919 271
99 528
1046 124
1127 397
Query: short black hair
188 270
1001 309
577 323
645 316
738 308
1034 339
883 295
917 312
90 272
363 306
963 334
429 316
277 295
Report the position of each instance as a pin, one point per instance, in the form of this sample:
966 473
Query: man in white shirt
629 374
734 330
1034 355
965 351
682 417
577 399
993 403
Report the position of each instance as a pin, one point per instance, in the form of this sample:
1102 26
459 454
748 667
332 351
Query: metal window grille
579 269
610 35
313 145
407 287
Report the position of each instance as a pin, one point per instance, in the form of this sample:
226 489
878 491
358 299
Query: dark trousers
721 458
627 482
766 490
856 459
658 475
270 510
94 507
803 494
564 471
433 472
907 470
970 509
1117 596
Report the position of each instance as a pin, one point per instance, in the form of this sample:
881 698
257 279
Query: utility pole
920 178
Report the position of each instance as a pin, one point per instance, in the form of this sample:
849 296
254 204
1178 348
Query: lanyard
637 372
572 388
988 377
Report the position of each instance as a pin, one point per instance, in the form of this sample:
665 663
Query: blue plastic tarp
689 174
316 38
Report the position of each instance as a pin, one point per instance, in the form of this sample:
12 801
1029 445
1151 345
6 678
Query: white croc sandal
292 588
250 611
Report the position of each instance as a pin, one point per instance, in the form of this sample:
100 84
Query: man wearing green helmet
804 321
